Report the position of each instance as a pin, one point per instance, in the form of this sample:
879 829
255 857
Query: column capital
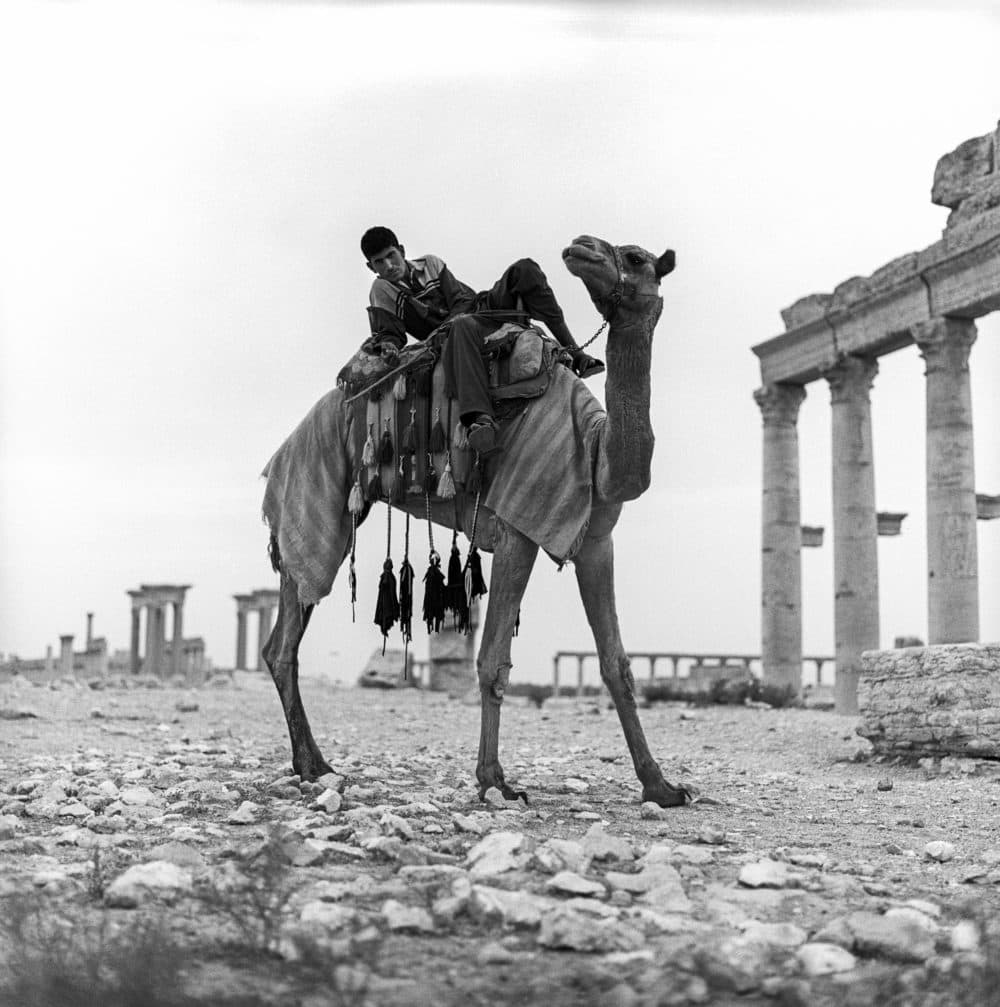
851 378
779 403
945 337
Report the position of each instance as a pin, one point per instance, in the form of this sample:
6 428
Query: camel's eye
634 259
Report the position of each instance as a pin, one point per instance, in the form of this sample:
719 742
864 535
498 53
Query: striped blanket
542 483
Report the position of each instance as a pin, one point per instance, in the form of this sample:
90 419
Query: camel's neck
627 445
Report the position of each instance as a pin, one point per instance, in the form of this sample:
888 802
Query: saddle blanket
541 483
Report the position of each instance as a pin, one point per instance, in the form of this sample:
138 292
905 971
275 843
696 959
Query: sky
182 192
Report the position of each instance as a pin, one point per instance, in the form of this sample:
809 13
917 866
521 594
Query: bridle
608 306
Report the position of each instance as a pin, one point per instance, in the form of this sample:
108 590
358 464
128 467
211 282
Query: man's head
383 253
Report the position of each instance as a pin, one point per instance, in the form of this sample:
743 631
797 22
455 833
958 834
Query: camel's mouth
577 257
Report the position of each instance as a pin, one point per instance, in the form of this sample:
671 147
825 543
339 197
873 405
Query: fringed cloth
541 484
305 501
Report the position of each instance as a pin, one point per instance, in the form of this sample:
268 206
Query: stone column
781 558
133 659
241 632
66 655
159 637
177 647
149 656
265 616
90 629
952 562
49 665
855 530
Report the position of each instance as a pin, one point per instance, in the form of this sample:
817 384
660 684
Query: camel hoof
666 796
502 792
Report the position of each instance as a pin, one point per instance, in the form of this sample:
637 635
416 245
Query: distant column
149 657
952 562
159 638
855 529
265 616
49 664
177 647
241 632
66 655
90 629
781 557
133 660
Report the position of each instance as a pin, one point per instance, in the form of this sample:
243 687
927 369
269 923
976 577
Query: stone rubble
394 845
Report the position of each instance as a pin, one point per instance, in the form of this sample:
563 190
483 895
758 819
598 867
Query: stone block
957 172
805 310
931 701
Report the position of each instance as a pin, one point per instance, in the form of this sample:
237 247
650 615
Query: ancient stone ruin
930 299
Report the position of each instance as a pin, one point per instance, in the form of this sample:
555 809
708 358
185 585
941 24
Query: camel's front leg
513 558
281 654
596 577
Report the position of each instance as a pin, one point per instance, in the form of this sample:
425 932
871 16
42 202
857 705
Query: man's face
389 264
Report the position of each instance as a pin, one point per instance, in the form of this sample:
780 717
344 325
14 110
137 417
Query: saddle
408 436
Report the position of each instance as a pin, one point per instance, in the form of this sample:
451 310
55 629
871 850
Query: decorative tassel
399 388
368 451
435 593
455 591
410 434
385 451
438 441
446 484
406 599
431 477
374 491
387 606
461 436
475 585
356 499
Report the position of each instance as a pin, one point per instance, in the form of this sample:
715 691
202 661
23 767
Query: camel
623 283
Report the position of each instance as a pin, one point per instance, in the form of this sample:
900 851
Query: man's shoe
586 366
483 435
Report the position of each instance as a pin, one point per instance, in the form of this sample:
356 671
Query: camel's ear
665 263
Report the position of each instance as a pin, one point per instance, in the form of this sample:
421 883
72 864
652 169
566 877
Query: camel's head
619 278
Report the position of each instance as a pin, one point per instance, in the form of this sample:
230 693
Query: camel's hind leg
513 558
595 576
281 654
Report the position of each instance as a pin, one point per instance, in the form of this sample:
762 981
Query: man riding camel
415 296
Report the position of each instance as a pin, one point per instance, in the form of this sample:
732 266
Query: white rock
599 845
246 814
330 801
574 884
939 850
399 916
567 928
495 853
576 785
328 915
518 909
964 936
141 880
776 935
561 855
693 854
137 796
820 959
9 825
768 873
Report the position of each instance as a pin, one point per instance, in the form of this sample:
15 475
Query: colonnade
929 299
153 599
263 601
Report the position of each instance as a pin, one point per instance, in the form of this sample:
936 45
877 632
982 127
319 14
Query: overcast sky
183 187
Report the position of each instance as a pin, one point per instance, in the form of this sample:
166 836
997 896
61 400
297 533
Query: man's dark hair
375 240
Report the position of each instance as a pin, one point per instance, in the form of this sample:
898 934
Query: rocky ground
155 849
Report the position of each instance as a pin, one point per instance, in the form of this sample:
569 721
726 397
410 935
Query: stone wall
932 701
